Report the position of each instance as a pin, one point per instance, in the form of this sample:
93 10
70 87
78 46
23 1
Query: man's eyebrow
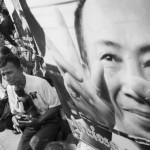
111 44
145 49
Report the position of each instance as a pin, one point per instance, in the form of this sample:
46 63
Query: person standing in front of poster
36 131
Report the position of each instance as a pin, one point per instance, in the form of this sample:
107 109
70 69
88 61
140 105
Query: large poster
104 88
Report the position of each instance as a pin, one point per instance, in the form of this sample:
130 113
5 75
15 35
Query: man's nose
133 83
132 67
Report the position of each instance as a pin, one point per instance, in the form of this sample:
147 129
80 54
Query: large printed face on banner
118 35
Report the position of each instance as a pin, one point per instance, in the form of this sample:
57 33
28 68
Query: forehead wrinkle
118 11
117 7
108 43
120 32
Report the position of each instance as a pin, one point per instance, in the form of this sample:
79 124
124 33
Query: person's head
11 70
4 50
117 33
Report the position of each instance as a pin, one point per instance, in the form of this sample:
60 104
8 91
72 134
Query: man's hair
78 29
4 50
10 58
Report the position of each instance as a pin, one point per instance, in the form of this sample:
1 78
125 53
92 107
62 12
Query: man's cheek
13 77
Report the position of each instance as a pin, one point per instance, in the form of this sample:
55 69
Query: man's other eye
108 57
147 64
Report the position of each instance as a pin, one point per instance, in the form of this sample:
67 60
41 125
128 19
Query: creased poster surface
106 93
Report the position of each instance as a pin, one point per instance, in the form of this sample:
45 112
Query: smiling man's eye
147 64
108 57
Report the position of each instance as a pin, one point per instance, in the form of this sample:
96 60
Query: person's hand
87 88
15 123
29 121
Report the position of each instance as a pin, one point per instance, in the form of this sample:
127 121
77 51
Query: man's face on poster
118 35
